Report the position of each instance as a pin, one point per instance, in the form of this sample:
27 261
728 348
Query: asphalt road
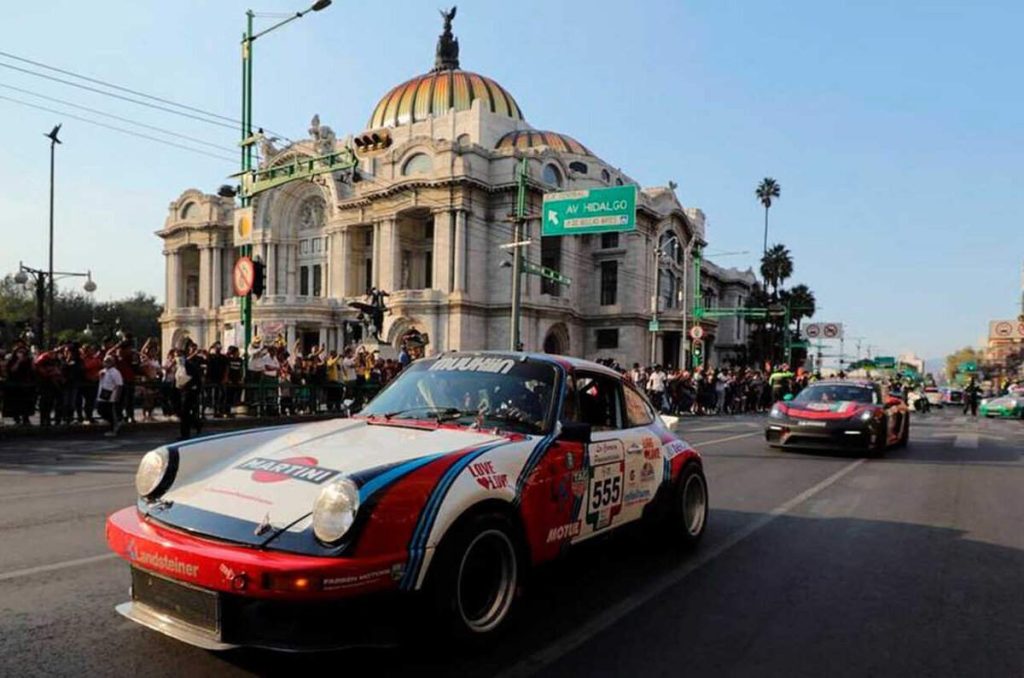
813 565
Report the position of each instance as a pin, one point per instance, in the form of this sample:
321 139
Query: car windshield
499 391
834 393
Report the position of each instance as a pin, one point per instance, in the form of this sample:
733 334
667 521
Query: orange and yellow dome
436 92
523 139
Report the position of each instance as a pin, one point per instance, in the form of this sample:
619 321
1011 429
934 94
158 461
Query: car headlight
776 412
155 473
335 510
866 415
984 401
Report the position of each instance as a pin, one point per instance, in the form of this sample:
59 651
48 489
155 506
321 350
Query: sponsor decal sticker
579 483
353 580
637 496
674 449
651 448
563 532
605 452
161 562
491 365
488 478
293 468
647 473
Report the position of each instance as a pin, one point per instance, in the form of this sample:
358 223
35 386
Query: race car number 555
605 487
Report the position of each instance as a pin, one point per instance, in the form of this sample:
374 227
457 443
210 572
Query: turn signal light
296 583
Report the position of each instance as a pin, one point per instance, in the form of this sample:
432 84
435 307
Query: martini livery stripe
288 468
425 524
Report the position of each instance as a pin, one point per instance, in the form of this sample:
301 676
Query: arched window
552 175
577 166
417 164
605 176
618 182
463 140
188 210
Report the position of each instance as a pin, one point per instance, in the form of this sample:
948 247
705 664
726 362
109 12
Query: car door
645 466
615 449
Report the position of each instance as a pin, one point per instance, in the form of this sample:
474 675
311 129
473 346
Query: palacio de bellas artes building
424 217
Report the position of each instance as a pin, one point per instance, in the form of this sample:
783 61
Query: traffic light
258 278
698 353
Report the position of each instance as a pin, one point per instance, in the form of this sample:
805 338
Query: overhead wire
120 118
211 117
117 129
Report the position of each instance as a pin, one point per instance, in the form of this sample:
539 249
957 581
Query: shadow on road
801 596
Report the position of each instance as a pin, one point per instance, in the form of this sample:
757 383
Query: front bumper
218 595
818 434
1002 412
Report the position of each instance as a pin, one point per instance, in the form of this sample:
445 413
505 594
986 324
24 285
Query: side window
599 401
638 412
570 411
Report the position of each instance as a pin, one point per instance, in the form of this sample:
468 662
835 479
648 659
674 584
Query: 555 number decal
604 500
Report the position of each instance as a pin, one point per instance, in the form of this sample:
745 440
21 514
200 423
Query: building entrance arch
556 341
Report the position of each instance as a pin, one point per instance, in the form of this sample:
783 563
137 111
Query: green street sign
969 366
883 362
593 210
654 326
545 272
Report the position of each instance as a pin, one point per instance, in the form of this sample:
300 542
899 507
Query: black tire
475 577
905 436
688 512
877 438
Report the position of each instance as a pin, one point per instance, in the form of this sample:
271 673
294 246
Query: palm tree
801 304
776 267
766 190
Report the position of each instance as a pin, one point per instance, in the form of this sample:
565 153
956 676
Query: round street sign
830 331
696 332
244 276
1004 329
813 331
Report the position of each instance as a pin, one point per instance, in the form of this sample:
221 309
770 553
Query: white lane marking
726 439
968 440
39 569
538 660
713 428
61 493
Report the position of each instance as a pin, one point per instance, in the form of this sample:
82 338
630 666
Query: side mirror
669 421
575 432
787 397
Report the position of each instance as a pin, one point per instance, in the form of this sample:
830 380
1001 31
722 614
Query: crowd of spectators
77 384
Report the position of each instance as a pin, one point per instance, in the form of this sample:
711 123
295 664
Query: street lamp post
659 252
43 282
247 136
52 136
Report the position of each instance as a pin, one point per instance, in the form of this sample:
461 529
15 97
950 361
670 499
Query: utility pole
517 256
654 304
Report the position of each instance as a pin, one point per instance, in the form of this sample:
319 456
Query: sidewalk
9 430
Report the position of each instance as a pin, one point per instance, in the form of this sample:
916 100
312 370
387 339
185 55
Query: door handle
635 448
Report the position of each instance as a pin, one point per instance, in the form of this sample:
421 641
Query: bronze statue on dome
447 55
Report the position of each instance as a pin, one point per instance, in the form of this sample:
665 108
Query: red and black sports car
839 414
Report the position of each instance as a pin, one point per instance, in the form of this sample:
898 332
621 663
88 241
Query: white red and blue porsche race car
464 472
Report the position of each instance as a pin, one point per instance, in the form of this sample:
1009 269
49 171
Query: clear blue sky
894 128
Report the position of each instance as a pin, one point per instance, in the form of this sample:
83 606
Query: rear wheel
475 577
688 516
876 438
905 435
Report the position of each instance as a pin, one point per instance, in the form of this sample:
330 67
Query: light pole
52 136
247 136
659 252
43 281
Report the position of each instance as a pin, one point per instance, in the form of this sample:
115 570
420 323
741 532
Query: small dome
437 92
522 139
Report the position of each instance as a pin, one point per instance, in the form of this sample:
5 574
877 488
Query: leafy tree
766 191
964 355
802 304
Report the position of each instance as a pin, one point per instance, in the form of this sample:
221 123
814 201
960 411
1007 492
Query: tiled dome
436 92
522 139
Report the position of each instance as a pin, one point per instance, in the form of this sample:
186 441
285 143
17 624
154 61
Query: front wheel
689 515
475 577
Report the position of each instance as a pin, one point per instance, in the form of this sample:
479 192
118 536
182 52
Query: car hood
275 481
837 410
1004 401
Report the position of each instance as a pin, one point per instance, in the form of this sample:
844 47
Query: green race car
1008 407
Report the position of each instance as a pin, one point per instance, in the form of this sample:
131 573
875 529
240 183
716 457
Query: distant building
424 218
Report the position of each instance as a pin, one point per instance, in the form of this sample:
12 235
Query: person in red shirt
92 364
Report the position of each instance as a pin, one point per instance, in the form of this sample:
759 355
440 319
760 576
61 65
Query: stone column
443 273
341 253
205 284
292 269
218 277
386 262
461 261
375 253
271 269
